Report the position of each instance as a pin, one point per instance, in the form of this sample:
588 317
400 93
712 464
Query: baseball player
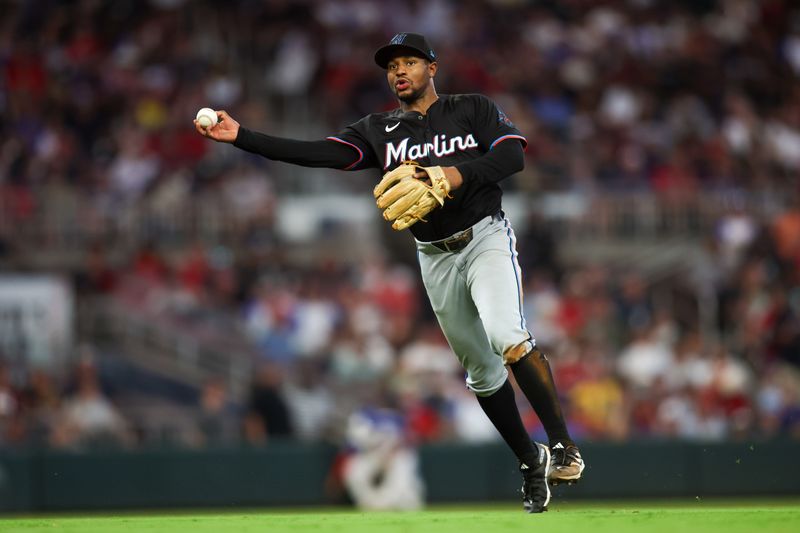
461 147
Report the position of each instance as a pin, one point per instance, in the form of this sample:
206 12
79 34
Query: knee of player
488 382
516 352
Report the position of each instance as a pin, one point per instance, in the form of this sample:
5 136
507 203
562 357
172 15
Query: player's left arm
501 141
505 159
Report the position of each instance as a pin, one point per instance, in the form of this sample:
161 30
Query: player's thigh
495 283
464 332
461 324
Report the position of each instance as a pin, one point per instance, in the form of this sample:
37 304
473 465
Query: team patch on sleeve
502 118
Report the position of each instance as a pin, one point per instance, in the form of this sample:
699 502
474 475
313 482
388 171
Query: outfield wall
285 474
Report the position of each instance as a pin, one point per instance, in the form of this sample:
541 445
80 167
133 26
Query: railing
192 353
60 232
644 216
658 236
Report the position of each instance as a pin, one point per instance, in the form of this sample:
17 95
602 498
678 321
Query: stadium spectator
87 418
267 415
9 407
381 473
217 422
310 401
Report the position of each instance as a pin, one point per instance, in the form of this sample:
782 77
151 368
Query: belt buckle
459 243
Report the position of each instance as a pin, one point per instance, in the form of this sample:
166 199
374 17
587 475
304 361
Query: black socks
535 379
501 408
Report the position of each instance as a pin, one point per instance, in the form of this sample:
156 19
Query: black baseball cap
414 43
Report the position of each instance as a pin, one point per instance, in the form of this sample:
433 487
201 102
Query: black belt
455 243
460 240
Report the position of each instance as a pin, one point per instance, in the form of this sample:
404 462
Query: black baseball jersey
457 129
466 131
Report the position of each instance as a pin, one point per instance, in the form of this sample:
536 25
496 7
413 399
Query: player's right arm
328 153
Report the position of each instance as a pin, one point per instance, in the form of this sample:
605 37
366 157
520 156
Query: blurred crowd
339 336
674 98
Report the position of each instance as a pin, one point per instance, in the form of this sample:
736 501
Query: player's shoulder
467 98
466 101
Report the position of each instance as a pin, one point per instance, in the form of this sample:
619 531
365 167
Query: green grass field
604 517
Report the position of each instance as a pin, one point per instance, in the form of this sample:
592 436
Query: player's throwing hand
225 130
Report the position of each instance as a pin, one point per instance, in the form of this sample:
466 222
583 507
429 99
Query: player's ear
432 68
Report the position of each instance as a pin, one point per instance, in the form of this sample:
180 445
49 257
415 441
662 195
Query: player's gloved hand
405 198
225 130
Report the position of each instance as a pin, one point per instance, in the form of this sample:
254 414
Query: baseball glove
406 199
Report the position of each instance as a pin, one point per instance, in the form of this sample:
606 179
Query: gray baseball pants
476 294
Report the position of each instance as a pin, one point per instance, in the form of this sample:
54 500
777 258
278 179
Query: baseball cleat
566 465
535 492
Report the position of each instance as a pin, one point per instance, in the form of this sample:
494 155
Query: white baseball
206 117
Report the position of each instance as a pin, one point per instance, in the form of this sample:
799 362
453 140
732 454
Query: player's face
409 77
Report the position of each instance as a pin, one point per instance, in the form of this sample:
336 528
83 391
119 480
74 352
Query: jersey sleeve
323 153
356 136
505 159
492 125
